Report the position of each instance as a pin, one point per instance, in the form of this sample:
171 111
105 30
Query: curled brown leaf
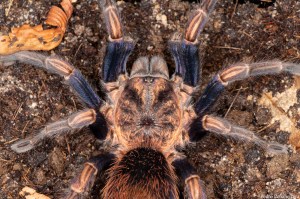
36 37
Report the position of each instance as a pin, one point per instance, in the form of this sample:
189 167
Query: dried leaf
279 105
36 38
30 193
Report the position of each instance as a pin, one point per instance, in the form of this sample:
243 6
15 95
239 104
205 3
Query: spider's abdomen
142 172
148 109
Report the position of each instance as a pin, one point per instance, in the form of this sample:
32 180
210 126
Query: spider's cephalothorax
147 106
146 115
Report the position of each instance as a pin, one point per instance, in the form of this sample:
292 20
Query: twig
3 160
68 145
264 128
17 111
237 94
234 9
77 50
11 141
23 130
9 6
247 34
228 47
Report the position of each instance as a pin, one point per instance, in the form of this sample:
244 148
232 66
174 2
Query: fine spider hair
145 116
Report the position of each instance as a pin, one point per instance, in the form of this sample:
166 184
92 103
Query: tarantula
146 116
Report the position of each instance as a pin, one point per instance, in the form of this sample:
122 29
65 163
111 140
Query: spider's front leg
56 65
239 71
193 186
185 51
92 117
215 88
119 46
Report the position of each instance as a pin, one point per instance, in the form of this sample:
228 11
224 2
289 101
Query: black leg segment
84 90
210 95
85 181
117 53
99 127
194 188
186 56
119 47
185 50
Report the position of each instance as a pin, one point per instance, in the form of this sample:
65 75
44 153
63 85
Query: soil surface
31 98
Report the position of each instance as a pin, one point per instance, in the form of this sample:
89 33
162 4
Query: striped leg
239 72
84 182
119 47
185 51
187 173
224 128
56 65
75 121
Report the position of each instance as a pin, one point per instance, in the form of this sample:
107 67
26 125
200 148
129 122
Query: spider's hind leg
193 186
119 46
222 127
185 50
85 180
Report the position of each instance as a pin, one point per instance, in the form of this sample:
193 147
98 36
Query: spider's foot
275 148
23 146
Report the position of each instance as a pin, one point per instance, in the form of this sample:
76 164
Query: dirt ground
30 98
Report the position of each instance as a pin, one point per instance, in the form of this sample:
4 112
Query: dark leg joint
187 173
99 127
197 131
117 53
208 98
85 180
186 56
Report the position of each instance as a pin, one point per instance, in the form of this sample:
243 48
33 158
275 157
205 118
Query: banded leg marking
185 50
112 19
224 128
75 121
57 66
85 180
198 20
239 72
119 47
194 188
